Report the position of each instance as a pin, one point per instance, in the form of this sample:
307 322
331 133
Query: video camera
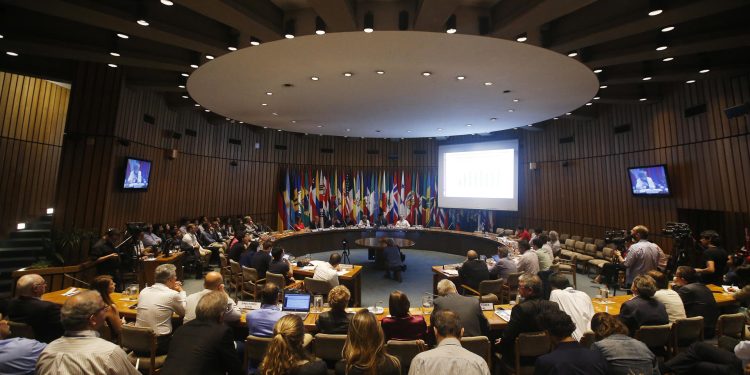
678 231
616 236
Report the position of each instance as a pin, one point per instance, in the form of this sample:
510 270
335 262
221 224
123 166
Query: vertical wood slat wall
706 155
32 119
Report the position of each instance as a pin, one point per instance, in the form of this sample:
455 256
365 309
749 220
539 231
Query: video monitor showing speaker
649 181
137 174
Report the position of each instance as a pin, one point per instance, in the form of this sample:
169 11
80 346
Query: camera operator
714 259
642 256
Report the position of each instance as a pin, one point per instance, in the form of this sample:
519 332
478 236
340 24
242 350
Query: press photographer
642 256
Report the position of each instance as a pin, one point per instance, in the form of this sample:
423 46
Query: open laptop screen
296 302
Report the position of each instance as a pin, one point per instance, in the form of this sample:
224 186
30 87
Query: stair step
17 261
31 233
21 242
20 251
41 225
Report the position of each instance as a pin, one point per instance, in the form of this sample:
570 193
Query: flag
284 204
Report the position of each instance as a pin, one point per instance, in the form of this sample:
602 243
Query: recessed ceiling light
264 104
468 125
440 129
589 103
209 57
642 99
194 66
655 12
426 74
14 54
114 54
181 86
275 114
597 71
460 78
704 71
516 100
568 113
661 48
667 59
1 36
269 93
206 110
289 36
515 128
293 121
254 42
603 86
690 81
314 78
521 38
109 65
511 110
232 48
596 98
368 29
265 127
488 83
122 36
320 32
184 96
242 122
530 125
347 74
380 72
185 74
573 54
646 78
278 130
196 105
555 118
320 126
168 3
408 131
348 129
667 29
142 22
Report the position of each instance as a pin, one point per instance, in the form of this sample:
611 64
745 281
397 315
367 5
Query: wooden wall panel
32 119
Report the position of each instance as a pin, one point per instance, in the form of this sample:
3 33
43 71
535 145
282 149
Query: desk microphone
78 280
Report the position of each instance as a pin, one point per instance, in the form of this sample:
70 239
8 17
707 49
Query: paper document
503 314
71 292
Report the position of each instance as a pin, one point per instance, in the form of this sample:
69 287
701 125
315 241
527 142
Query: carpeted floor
417 280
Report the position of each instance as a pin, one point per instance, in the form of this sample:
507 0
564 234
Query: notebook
297 303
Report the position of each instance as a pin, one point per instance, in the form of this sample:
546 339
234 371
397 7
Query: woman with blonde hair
286 354
105 286
364 350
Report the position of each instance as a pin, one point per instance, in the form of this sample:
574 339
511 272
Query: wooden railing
55 276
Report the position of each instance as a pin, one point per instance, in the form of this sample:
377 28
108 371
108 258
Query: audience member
212 282
554 243
536 232
523 316
190 240
279 265
393 260
697 298
336 321
473 270
705 358
105 253
671 300
246 259
262 258
575 303
150 239
239 247
18 355
286 353
401 325
158 302
105 286
28 308
327 271
448 357
529 261
568 357
642 256
503 266
260 322
545 262
473 320
624 354
643 309
714 259
204 345
522 234
80 350
249 225
364 349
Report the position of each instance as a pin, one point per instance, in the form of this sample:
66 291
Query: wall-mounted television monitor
649 181
137 174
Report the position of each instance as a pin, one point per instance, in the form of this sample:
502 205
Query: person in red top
299 225
522 234
401 325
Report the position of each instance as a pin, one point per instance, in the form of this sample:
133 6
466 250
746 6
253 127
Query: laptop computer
297 303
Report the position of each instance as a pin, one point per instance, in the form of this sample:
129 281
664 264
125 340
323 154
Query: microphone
78 280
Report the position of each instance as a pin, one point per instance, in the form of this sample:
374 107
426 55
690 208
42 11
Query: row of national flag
352 196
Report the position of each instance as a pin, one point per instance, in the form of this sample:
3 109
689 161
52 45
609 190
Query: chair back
276 279
235 267
479 345
255 349
590 249
587 339
563 237
328 347
141 340
508 232
579 247
576 238
732 325
317 286
599 243
20 330
405 351
686 331
607 253
489 298
491 286
530 344
249 274
223 261
570 244
656 337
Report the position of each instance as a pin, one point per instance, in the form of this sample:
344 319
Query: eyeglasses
103 308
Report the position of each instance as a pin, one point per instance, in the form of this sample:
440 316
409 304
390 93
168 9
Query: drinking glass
318 303
379 307
427 304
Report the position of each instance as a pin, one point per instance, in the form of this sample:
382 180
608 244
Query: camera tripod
345 254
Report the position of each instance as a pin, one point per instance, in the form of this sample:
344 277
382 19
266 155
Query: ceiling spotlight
109 65
122 36
460 78
264 104
184 96
320 26
667 59
589 103
278 130
642 99
1 36
603 86
114 54
142 22
493 119
516 100
555 118
242 122
661 48
369 23
347 74
168 3
450 24
596 98
210 57
275 114
196 105
314 78
380 72
440 129
289 29
185 74
655 12
348 129
704 71
206 110
488 83
522 38
597 71
14 54
646 78
530 125
690 81
426 74
232 48
572 54
511 110
265 127
254 41
320 126
269 93
468 125
293 121
568 113
194 66
667 29
181 86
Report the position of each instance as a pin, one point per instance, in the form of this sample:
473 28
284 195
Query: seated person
158 302
504 266
473 270
575 303
472 318
262 258
105 286
714 257
28 308
671 300
260 322
336 321
643 309
697 298
246 258
380 221
625 355
328 271
554 243
17 355
286 353
190 241
393 260
213 282
298 225
337 223
705 358
280 266
568 356
364 222
150 239
522 234
364 349
235 252
401 325
402 222
529 261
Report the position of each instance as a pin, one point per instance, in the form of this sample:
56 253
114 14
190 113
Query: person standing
107 257
714 259
643 255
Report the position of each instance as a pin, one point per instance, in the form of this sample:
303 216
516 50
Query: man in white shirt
191 240
157 303
448 357
529 262
212 282
670 298
573 302
80 350
402 223
328 271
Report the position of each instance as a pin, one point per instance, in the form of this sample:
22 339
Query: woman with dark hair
401 325
105 286
625 355
364 349
286 354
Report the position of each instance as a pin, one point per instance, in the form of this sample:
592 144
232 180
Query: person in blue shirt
18 355
260 322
